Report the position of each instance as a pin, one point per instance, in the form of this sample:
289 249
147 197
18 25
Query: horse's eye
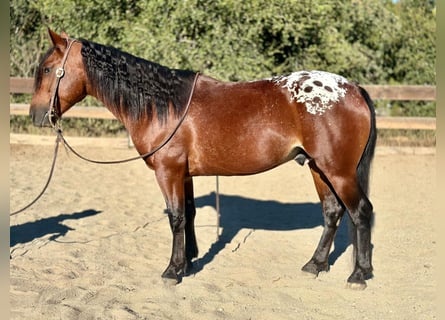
46 70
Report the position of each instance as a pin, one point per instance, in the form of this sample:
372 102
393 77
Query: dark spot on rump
328 88
318 83
317 100
304 78
307 89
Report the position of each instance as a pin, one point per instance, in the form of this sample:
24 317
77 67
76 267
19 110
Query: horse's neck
114 110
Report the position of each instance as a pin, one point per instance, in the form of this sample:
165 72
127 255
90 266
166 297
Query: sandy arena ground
95 245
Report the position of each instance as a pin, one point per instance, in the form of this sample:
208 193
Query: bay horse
316 118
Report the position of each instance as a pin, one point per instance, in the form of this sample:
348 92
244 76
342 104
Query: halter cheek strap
60 72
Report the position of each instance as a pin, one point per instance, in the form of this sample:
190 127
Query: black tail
364 165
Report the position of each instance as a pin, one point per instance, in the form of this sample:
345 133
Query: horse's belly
240 157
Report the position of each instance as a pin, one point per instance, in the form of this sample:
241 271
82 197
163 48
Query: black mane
133 86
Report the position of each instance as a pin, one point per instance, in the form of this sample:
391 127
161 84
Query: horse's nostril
39 117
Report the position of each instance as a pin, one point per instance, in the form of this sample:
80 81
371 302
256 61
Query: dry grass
406 138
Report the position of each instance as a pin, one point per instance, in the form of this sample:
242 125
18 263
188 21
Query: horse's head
60 80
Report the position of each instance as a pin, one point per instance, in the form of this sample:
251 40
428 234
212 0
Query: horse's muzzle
40 117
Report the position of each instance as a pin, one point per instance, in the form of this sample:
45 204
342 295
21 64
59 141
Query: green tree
25 44
415 52
372 41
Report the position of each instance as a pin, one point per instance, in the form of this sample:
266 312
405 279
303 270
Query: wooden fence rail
377 92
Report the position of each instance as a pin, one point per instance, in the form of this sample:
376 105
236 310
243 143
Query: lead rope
60 137
51 171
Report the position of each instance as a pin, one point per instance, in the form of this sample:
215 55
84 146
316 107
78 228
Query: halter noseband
60 72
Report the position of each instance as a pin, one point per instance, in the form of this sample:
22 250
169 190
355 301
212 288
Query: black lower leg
363 257
191 247
177 261
332 212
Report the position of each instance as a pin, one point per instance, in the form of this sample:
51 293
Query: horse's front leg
172 186
191 248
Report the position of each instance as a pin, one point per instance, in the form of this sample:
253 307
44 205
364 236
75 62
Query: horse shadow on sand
238 213
27 232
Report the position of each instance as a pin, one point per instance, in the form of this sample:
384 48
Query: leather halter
60 72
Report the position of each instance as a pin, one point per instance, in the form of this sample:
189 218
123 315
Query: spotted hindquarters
318 90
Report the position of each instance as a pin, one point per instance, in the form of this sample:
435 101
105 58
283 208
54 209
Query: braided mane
133 86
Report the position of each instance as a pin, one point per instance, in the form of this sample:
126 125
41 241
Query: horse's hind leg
332 213
191 248
361 214
360 209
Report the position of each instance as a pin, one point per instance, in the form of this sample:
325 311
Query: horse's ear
64 35
57 40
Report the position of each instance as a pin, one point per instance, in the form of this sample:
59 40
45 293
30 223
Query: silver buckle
60 72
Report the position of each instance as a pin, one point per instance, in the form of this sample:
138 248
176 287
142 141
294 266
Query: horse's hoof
170 277
314 269
359 286
357 280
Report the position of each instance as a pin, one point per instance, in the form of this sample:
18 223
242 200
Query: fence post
129 140
218 215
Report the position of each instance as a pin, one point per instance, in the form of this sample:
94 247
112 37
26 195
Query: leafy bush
373 41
